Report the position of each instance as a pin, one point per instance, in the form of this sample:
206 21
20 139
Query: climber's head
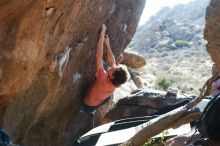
117 75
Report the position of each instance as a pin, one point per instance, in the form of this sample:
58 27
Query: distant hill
173 45
172 28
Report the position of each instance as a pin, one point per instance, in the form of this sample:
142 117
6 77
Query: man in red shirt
106 80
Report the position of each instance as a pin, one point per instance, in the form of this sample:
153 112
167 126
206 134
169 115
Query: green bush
181 43
162 83
153 141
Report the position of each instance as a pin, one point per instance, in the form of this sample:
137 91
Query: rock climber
106 80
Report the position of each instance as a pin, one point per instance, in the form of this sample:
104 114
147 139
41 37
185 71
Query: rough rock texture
136 77
47 60
143 103
133 60
212 32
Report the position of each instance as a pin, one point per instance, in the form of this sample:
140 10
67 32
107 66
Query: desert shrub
166 67
170 60
153 141
152 50
177 73
162 83
181 43
184 88
164 54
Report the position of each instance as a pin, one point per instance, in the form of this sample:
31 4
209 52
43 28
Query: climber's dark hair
120 77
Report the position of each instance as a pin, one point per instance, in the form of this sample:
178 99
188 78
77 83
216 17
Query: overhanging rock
47 58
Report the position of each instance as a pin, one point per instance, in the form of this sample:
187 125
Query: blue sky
153 6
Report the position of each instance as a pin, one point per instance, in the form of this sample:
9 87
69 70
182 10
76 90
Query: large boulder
133 60
47 60
144 103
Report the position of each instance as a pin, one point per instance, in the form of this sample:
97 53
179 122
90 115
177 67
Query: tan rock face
212 32
47 59
133 60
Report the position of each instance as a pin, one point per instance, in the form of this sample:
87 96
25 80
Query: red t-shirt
100 90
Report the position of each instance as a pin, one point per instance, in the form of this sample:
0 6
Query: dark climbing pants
90 109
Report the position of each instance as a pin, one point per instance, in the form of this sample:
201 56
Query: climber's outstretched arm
99 48
110 55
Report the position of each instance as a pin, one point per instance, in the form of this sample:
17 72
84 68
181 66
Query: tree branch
163 122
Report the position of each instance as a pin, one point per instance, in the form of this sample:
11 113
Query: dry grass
186 69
